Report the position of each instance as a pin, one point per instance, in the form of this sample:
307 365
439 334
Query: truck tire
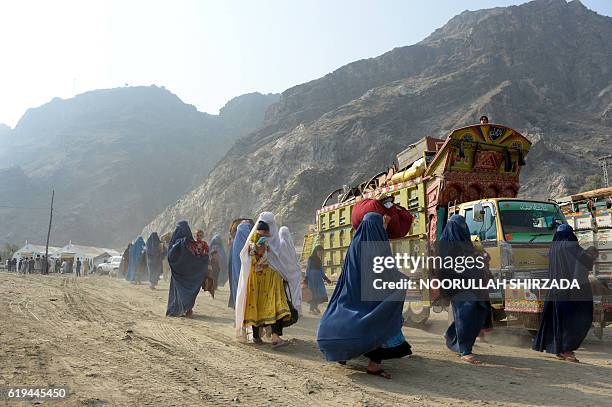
598 329
415 313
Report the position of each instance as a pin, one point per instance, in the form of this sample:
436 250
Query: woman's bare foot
377 370
471 358
568 356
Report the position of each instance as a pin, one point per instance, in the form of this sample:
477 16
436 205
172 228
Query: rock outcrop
542 68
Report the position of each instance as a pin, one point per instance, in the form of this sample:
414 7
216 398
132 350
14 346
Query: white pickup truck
109 267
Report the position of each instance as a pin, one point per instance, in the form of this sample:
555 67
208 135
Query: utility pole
603 163
49 234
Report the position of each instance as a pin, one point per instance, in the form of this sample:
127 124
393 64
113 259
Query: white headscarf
245 267
289 258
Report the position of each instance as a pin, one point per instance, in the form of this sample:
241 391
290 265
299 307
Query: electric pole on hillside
49 234
603 163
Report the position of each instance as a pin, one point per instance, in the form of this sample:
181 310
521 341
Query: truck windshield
529 222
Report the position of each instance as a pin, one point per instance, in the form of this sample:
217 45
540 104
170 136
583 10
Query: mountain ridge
115 157
541 67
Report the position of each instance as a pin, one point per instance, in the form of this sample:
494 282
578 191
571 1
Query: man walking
78 267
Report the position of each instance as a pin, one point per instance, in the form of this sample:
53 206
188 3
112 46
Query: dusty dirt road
110 344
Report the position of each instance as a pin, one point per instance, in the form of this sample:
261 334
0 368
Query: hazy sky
204 51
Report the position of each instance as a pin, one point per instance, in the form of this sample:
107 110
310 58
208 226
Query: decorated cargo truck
474 171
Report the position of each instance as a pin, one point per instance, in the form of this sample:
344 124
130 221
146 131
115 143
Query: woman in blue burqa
154 259
470 307
188 269
217 251
242 233
136 261
361 320
568 313
315 279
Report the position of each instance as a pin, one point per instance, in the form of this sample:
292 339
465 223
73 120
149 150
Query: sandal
342 362
379 372
568 356
572 358
471 359
278 344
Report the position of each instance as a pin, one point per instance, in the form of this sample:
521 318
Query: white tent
34 250
95 254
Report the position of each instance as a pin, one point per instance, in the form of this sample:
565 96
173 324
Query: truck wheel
415 313
598 330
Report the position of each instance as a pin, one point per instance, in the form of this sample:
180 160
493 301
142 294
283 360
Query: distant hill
116 158
543 68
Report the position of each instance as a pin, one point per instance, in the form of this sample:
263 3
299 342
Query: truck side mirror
478 213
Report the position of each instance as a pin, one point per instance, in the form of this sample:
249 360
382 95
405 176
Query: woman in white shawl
289 258
273 260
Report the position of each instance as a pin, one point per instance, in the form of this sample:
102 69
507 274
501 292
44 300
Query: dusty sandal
278 344
379 372
570 357
471 359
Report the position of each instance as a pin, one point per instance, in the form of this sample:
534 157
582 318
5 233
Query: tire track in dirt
35 306
292 370
221 346
239 354
228 383
176 362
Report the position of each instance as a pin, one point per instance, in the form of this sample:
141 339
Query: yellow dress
266 301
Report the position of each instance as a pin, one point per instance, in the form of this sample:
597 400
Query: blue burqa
136 259
351 326
568 314
470 312
187 271
154 258
242 233
216 245
315 279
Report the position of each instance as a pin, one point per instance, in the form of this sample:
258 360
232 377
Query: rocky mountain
543 67
115 157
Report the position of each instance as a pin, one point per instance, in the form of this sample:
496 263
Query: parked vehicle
109 267
590 214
